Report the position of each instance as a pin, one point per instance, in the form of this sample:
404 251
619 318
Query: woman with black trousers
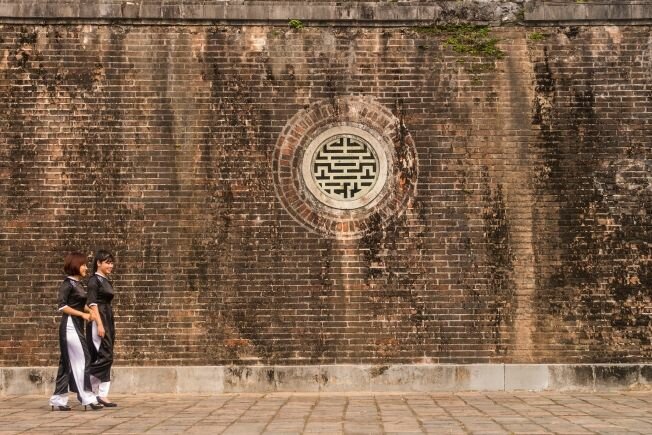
75 359
100 333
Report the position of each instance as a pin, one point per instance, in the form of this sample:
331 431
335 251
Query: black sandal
95 406
105 403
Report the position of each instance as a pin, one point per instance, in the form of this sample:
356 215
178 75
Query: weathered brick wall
527 239
593 184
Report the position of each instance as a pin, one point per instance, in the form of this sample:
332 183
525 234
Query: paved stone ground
345 413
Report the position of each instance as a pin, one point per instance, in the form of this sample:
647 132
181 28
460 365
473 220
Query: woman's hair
73 262
100 256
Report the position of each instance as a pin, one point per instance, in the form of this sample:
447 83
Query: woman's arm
72 312
64 294
91 299
98 319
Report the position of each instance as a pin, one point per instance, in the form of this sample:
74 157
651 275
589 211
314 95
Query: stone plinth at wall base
342 378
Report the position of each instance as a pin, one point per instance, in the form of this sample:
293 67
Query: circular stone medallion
345 168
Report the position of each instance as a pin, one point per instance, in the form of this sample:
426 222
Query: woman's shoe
61 407
105 403
95 406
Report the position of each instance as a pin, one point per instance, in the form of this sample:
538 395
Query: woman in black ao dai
75 358
100 334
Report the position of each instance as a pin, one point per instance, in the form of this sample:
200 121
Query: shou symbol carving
345 168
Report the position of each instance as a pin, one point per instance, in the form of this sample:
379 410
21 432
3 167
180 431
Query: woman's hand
100 330
87 317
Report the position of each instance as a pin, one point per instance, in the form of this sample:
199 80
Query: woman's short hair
101 256
73 262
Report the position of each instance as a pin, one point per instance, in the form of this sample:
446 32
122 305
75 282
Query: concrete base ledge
342 378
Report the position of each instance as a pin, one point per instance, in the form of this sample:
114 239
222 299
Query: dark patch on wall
499 262
599 239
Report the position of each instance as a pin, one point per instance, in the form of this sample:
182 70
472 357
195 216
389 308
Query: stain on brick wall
592 183
526 238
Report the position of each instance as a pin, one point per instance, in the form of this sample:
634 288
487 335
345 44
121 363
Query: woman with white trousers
75 359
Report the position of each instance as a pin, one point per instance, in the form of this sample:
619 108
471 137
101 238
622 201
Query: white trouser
77 363
101 388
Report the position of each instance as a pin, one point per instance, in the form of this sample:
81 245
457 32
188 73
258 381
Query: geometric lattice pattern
345 167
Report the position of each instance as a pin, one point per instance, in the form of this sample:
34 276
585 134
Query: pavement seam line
471 405
565 417
520 414
275 414
240 415
346 407
223 404
379 414
419 421
210 413
312 409
452 417
166 419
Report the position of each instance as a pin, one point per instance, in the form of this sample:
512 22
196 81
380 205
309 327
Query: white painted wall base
339 378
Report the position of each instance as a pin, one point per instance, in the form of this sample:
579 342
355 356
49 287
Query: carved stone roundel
344 168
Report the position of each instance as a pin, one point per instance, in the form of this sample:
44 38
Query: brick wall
527 238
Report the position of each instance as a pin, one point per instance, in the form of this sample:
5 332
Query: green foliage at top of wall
467 39
296 24
537 36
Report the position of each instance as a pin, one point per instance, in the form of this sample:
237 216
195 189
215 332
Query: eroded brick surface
527 238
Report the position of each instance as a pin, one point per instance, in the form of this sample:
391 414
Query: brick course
527 238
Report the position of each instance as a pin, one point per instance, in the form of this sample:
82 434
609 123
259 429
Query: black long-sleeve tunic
73 295
100 292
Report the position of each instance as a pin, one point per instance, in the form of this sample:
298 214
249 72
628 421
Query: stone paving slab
340 413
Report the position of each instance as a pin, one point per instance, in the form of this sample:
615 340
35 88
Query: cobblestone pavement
345 413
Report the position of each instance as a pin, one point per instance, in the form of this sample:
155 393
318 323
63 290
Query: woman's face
105 267
83 269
